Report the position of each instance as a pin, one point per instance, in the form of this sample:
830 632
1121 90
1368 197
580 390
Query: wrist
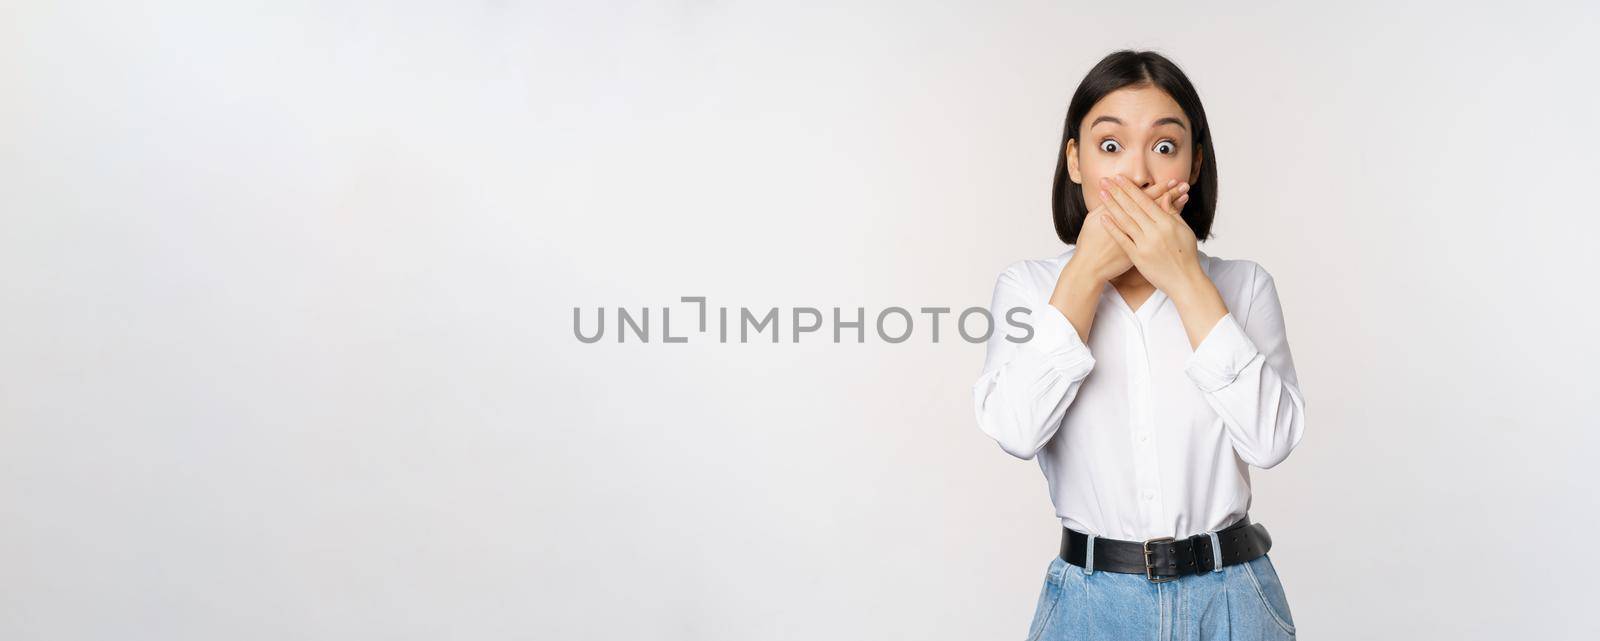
1077 283
1080 271
1193 285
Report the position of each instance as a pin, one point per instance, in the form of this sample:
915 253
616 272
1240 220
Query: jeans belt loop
1216 552
1088 556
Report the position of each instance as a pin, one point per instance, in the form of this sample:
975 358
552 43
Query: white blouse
1140 436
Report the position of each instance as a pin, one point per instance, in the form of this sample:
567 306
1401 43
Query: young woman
1154 376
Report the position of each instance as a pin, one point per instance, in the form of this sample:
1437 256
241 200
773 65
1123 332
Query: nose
1137 169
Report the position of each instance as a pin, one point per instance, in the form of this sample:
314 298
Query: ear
1199 159
1072 161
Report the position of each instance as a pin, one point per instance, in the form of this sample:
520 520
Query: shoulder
1239 275
1035 273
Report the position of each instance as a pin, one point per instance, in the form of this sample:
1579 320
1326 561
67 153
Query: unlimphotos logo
892 324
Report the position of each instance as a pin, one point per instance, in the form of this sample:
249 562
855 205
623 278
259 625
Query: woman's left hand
1160 244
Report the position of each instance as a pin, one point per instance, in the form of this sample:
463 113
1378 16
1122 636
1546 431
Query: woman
1153 377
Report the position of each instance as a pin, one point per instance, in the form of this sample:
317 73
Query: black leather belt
1166 558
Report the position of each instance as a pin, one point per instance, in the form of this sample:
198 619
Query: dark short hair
1128 68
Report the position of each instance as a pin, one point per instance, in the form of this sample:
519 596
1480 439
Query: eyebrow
1159 121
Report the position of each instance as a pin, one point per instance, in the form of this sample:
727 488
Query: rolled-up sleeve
1247 374
1025 388
1222 356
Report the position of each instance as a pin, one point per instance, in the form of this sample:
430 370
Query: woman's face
1138 132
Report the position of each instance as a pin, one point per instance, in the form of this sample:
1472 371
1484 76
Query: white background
286 297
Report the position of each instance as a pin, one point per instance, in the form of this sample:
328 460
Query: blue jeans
1244 601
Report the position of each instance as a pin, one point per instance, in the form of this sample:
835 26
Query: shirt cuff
1056 338
1224 353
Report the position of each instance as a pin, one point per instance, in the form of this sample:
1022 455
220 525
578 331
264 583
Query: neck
1130 279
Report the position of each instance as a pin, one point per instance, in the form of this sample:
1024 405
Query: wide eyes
1111 146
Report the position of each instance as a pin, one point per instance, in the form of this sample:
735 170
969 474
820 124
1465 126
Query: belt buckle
1148 567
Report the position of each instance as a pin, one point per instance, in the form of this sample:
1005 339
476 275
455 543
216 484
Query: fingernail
1104 195
1184 188
1171 183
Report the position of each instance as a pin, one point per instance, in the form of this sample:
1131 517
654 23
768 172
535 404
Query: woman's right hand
1098 256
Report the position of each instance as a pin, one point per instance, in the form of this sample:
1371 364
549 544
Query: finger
1163 192
1168 195
1135 202
1117 211
1179 197
1166 190
1157 191
1114 229
1166 201
1128 211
